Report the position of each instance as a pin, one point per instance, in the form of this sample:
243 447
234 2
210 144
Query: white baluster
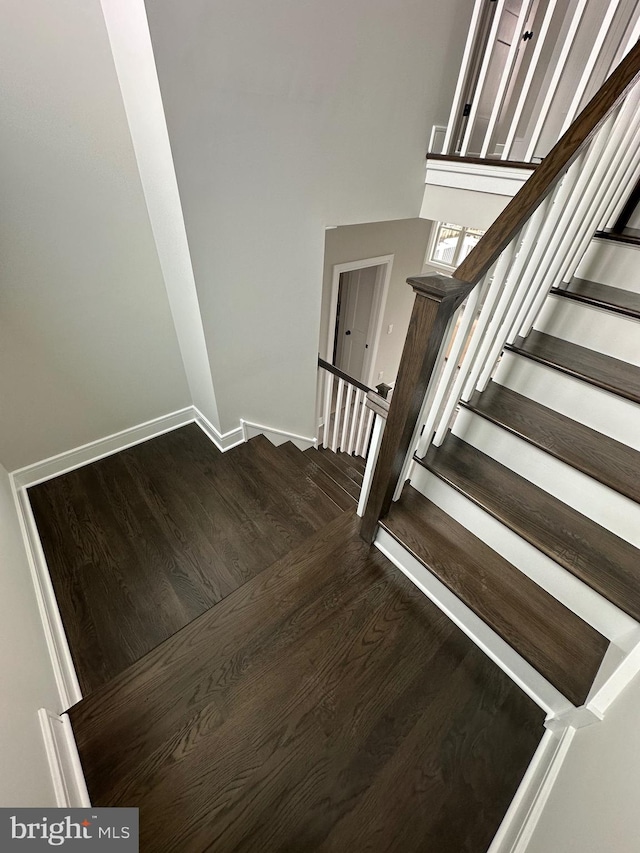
484 68
526 85
345 420
338 415
560 63
504 77
357 400
328 394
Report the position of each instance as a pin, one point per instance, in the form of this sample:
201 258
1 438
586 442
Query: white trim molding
516 829
55 637
69 460
64 762
377 312
275 435
498 180
223 441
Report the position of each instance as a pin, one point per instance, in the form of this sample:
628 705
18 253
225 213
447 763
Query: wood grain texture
482 161
437 297
326 463
606 460
550 637
601 296
551 170
602 560
326 705
141 543
600 370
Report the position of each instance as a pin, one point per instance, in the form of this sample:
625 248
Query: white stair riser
607 413
615 264
605 617
594 328
598 502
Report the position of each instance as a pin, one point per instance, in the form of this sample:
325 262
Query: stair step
630 236
603 371
306 464
560 645
353 466
606 460
323 461
604 561
602 296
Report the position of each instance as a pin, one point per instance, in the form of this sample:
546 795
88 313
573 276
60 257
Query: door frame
381 292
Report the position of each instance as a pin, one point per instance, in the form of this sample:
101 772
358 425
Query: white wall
594 804
87 342
407 240
25 671
285 117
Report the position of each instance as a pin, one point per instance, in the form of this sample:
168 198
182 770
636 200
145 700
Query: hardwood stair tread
603 458
306 465
602 296
604 561
336 472
603 371
353 466
557 643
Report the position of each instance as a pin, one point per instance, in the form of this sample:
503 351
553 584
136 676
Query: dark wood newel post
437 297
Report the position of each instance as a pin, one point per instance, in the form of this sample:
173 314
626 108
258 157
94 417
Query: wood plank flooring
325 705
141 543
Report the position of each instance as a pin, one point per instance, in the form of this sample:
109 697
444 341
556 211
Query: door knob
348 332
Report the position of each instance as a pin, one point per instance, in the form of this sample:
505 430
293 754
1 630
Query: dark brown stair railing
438 296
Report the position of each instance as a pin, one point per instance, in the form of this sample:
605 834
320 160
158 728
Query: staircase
551 562
505 483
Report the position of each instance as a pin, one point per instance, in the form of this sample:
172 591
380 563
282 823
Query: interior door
357 290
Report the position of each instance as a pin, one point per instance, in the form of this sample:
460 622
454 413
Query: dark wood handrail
342 375
552 168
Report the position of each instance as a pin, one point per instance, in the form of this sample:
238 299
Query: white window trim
428 260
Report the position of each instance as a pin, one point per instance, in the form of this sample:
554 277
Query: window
451 244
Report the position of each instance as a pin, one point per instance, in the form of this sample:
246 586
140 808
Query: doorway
359 293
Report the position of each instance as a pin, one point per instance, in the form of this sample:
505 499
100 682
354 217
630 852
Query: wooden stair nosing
606 460
603 296
336 472
316 474
350 465
554 640
611 374
599 558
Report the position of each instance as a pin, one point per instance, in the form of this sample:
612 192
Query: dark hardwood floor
324 705
141 543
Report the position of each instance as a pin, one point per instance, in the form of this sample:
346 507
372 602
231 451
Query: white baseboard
276 436
517 827
62 463
223 441
64 762
55 636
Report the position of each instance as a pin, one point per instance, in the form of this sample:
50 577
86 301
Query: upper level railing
535 244
528 67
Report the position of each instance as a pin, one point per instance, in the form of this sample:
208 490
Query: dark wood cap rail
483 161
552 168
377 404
342 375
